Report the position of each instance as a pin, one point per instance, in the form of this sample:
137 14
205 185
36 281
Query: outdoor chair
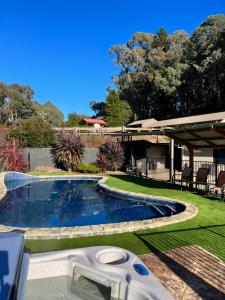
201 178
218 189
137 171
186 176
130 170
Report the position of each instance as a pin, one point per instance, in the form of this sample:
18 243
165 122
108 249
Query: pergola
197 136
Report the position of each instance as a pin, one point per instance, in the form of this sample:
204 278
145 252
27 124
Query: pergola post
191 162
171 159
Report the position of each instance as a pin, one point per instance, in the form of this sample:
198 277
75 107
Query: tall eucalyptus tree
151 71
203 88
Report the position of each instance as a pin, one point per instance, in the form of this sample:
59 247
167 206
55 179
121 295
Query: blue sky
60 47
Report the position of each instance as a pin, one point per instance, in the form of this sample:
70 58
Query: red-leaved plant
12 156
68 149
102 162
113 152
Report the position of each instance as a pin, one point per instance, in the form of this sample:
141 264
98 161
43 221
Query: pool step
171 208
158 210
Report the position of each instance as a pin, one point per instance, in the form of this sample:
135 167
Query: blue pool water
62 203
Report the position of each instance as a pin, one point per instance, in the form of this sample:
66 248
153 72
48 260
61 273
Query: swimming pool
74 202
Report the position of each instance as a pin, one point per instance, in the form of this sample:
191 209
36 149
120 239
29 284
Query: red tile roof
94 121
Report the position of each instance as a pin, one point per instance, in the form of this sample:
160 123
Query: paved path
189 273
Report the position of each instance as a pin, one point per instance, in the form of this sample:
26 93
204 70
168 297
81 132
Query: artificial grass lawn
207 229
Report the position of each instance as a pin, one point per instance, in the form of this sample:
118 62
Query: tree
117 112
68 149
111 155
12 157
161 39
16 102
74 120
164 76
38 108
98 108
33 132
52 114
203 88
151 71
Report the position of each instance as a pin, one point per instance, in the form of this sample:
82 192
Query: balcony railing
214 168
156 166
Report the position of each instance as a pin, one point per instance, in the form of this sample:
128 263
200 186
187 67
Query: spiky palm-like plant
12 157
68 149
113 152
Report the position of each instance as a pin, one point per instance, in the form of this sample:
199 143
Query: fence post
191 162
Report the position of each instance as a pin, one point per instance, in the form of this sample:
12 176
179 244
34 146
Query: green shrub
33 132
87 168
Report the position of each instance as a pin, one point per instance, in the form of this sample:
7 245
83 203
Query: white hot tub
91 273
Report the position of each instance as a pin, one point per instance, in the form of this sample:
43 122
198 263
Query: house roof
192 120
142 123
94 121
206 118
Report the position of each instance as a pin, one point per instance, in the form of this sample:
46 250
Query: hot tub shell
111 267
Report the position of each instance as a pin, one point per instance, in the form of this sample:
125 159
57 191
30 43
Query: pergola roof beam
221 132
198 137
180 141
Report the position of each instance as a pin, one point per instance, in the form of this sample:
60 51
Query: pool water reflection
64 203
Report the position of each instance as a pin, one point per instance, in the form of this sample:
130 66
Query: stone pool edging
101 229
3 189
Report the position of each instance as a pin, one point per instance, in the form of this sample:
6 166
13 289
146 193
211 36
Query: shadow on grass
150 183
189 229
204 289
210 237
210 229
162 185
